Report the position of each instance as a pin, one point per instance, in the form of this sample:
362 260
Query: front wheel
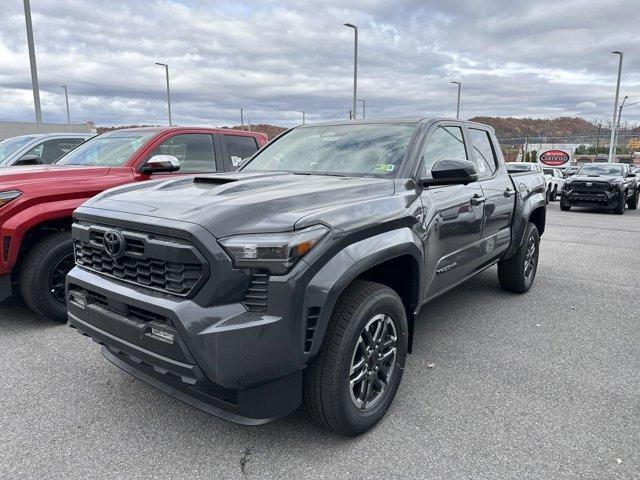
564 207
517 273
351 383
554 193
43 274
619 208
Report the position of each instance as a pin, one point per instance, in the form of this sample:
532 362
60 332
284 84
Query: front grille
594 187
256 297
165 264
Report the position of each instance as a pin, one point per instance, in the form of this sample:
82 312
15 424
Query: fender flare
524 209
325 288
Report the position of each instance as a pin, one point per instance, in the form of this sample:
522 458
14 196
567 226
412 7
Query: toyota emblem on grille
589 184
114 243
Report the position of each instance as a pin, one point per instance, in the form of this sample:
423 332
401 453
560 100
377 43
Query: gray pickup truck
299 278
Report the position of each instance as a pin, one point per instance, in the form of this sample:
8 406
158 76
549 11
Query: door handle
509 193
477 200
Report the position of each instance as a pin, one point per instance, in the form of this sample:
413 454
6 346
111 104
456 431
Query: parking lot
544 385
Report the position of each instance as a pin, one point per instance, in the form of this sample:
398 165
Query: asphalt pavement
543 385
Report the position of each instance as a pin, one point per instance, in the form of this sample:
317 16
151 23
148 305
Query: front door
452 214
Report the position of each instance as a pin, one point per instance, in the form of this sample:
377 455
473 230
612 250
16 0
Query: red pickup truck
36 203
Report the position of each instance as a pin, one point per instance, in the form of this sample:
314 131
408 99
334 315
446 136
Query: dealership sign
555 158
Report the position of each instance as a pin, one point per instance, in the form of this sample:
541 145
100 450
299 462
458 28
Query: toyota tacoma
36 202
299 278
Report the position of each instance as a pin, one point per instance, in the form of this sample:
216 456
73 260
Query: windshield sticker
384 168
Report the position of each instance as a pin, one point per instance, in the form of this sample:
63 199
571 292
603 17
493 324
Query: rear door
236 148
498 192
452 213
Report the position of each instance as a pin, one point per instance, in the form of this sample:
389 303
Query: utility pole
166 69
242 118
32 61
598 140
66 99
458 107
355 67
615 107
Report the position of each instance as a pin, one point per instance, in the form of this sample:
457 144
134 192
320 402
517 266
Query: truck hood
21 177
228 204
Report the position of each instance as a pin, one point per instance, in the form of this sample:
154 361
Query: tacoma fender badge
446 268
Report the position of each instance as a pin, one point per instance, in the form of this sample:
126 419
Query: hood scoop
214 180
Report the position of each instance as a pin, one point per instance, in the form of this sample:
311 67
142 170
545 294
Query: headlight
6 197
276 252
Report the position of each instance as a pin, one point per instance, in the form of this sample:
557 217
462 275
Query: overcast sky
515 58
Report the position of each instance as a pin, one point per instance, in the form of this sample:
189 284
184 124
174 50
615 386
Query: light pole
355 67
242 118
458 107
303 116
615 107
66 100
598 140
32 61
615 138
363 106
166 70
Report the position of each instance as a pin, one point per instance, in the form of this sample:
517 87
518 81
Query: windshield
10 145
547 171
602 169
360 149
107 150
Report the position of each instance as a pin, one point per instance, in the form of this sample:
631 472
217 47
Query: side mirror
452 172
631 175
27 160
161 164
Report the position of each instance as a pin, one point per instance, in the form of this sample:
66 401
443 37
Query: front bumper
230 362
601 199
5 287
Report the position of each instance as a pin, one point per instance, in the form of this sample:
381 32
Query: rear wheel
517 273
619 208
564 207
350 384
43 274
632 203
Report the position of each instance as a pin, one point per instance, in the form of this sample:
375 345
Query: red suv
36 203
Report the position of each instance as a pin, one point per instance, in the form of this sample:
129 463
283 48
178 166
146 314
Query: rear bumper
5 287
605 199
224 360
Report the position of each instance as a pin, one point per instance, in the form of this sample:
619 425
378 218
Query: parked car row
295 280
38 149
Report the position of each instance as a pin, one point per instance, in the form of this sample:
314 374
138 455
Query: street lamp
458 107
166 69
66 99
615 107
355 66
32 61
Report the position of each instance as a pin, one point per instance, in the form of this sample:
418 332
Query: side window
239 147
444 143
51 150
483 152
194 151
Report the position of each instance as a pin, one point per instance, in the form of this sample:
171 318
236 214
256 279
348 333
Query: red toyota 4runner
36 203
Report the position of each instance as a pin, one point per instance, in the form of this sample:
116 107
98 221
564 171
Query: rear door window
483 152
239 147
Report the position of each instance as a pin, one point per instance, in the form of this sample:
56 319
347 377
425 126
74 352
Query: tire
554 193
517 273
329 397
632 203
619 209
564 207
547 197
41 284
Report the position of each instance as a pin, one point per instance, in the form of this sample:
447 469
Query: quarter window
444 143
194 151
239 147
483 152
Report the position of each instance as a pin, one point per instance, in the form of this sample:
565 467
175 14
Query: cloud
273 59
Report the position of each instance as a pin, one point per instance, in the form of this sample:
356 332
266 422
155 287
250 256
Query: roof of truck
394 120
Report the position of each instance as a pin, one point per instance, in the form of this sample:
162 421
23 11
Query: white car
555 180
38 149
514 167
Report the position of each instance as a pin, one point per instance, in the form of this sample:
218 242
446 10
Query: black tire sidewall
38 284
357 420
